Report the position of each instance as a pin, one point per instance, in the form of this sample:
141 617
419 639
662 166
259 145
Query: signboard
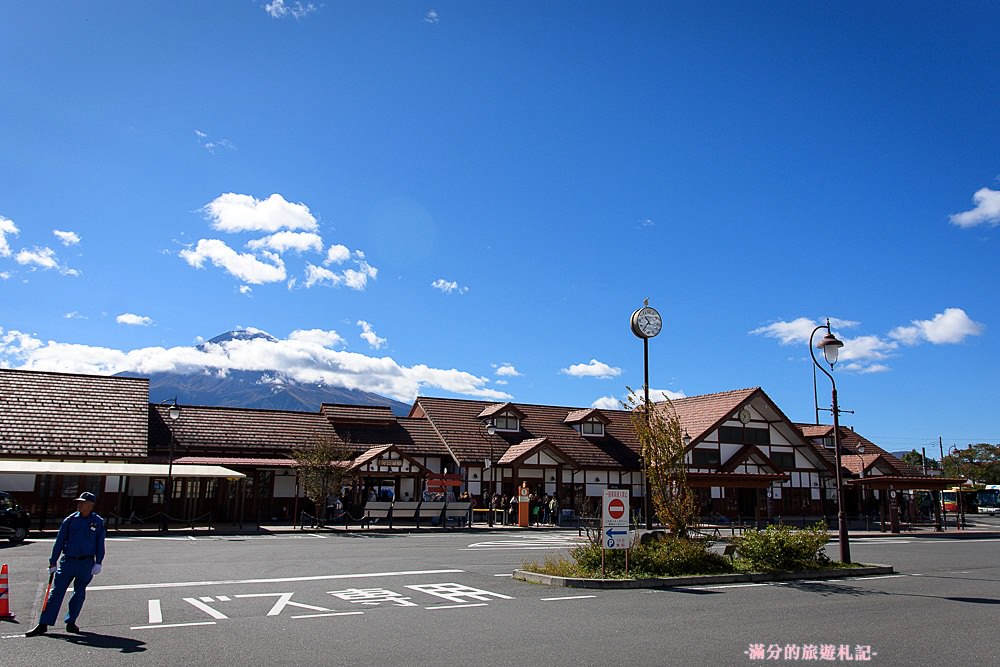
615 519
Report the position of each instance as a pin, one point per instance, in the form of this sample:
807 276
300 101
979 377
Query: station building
63 433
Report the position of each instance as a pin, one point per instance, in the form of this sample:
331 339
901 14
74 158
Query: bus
989 499
949 500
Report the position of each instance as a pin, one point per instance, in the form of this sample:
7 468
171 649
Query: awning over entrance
901 483
114 469
734 479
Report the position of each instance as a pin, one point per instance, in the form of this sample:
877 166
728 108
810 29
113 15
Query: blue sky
470 199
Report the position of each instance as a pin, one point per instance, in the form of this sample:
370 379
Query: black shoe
39 629
73 627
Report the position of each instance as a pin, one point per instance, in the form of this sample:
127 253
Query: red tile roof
700 415
850 441
68 415
459 424
238 431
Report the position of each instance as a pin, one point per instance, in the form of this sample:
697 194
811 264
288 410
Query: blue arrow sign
611 532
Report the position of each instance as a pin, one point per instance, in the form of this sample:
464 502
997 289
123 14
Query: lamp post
487 429
960 514
174 412
646 323
831 349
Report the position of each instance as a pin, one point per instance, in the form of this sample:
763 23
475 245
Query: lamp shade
831 348
174 412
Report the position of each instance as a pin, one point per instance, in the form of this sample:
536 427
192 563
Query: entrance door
746 502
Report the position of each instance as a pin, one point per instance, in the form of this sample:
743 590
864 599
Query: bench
377 509
457 512
405 509
431 509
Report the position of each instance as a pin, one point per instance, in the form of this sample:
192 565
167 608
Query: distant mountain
265 390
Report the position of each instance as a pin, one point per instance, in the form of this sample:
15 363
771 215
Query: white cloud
799 329
211 144
7 226
304 356
358 279
337 254
133 320
448 286
987 210
615 403
369 335
232 213
951 326
285 241
245 289
243 266
607 403
279 9
863 369
321 337
432 17
594 369
317 275
67 238
507 370
74 315
43 258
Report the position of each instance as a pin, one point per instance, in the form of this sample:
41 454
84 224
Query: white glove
94 571
52 570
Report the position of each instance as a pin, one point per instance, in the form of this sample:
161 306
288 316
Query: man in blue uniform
80 542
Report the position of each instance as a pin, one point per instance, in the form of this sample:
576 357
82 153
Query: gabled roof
69 415
500 408
850 442
377 452
252 433
586 414
458 422
749 452
528 447
700 415
361 414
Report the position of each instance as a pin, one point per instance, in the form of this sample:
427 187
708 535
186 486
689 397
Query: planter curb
700 580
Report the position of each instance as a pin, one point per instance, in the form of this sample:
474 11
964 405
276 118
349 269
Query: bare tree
661 439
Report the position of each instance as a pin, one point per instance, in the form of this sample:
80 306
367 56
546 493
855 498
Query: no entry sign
615 508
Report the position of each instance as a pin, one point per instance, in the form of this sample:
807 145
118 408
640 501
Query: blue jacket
79 536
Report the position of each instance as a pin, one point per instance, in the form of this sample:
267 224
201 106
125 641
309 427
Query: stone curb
699 580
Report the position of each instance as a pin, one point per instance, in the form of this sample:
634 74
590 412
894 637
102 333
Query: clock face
646 322
745 416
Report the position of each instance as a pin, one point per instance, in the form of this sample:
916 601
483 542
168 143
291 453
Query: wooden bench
405 509
457 512
432 510
375 510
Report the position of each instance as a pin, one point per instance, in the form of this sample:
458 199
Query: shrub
672 556
784 548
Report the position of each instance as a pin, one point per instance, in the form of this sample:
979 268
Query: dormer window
507 422
593 427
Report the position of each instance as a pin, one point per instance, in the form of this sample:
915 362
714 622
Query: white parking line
335 613
171 625
569 597
457 606
226 582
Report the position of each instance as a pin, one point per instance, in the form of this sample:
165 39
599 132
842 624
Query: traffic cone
5 614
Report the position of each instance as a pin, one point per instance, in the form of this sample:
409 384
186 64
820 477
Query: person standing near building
80 544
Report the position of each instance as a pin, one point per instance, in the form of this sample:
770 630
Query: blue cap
88 497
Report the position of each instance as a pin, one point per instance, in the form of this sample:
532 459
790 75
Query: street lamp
487 429
174 412
831 350
953 451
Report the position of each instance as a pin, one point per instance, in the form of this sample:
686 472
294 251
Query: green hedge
668 557
783 548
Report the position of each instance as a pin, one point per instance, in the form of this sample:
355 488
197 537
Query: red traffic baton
48 589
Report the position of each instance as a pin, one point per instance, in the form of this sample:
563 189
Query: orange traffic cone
5 614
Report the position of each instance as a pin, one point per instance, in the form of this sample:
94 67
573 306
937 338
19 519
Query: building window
784 460
739 435
507 423
592 427
705 458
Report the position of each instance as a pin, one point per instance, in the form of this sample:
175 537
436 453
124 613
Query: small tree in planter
661 439
322 468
